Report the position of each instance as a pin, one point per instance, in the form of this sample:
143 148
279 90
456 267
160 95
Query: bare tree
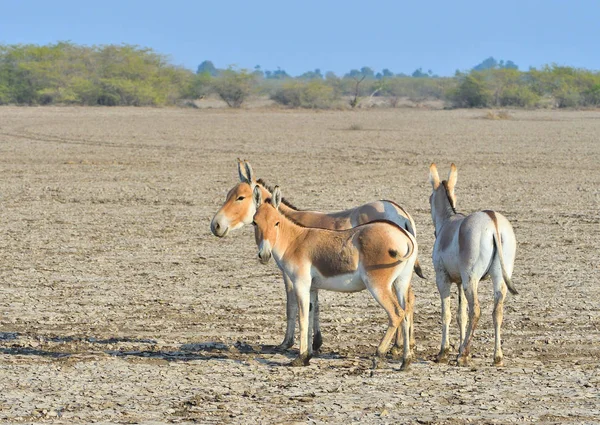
355 101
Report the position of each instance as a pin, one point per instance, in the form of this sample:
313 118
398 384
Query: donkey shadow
25 351
238 351
8 336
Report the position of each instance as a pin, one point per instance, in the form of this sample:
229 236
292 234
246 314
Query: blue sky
330 35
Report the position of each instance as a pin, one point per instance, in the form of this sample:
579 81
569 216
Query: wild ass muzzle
377 256
239 209
466 250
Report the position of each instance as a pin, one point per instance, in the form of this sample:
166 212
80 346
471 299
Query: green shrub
590 97
4 94
471 92
313 94
415 89
518 96
289 94
198 86
234 87
567 97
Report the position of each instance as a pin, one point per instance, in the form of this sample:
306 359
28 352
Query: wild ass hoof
378 362
405 364
301 360
284 346
498 362
317 341
442 356
462 360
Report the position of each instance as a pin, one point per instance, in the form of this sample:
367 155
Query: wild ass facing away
239 209
378 256
466 250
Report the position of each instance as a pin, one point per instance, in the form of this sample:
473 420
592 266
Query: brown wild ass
466 250
239 209
377 256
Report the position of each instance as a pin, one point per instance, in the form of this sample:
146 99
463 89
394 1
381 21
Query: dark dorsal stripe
397 206
270 189
445 184
492 215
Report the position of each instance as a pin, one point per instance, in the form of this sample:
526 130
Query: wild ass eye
276 224
240 198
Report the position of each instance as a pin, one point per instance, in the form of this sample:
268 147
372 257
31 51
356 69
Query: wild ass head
266 223
238 208
442 199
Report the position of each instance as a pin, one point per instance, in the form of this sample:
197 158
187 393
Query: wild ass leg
499 294
461 317
317 338
474 313
302 290
291 312
443 285
404 297
387 299
411 313
398 347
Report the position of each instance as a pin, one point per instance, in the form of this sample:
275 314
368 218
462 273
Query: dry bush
497 115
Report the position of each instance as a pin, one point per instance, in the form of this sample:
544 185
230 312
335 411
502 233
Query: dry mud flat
117 305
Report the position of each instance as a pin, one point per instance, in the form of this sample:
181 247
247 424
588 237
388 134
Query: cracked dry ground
118 306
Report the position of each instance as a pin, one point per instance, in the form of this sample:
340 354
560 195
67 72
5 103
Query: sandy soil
118 305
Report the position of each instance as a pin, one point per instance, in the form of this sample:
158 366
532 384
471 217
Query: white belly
349 282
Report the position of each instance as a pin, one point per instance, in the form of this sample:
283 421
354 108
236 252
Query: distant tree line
111 75
491 83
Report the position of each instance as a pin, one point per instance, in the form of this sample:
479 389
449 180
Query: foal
377 256
239 209
466 250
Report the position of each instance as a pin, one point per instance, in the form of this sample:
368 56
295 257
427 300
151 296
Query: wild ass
466 250
239 209
378 256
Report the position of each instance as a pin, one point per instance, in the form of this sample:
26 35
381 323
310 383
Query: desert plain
117 304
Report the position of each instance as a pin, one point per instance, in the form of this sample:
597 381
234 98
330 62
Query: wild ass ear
434 177
451 183
249 172
257 196
244 178
276 201
452 176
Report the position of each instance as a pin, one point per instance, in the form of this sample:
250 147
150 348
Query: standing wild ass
239 209
378 256
466 250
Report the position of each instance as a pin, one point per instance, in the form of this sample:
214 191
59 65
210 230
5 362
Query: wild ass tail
410 227
418 269
498 244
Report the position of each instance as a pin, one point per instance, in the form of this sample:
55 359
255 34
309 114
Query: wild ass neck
442 212
288 233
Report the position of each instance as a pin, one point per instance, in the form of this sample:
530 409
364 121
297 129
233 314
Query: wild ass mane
445 184
283 200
